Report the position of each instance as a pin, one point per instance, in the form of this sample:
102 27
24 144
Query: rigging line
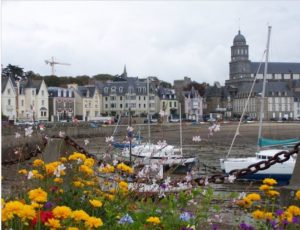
237 132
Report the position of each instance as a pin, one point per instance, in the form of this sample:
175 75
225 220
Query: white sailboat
281 172
160 153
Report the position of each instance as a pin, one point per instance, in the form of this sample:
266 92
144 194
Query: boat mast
262 102
179 104
148 103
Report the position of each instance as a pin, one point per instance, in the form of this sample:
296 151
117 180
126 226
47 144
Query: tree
103 77
199 87
13 71
165 84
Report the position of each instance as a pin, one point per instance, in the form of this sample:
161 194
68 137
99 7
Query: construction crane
52 63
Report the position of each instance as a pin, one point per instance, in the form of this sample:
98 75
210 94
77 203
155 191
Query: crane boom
52 63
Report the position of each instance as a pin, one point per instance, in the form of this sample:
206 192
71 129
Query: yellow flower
63 159
75 156
13 207
79 215
27 212
153 220
294 210
53 223
38 195
96 203
36 205
253 197
58 180
247 202
287 216
62 212
125 168
93 222
50 168
90 183
258 214
61 190
265 187
298 195
272 193
72 228
23 171
6 215
37 163
268 215
269 181
87 170
123 186
89 162
78 184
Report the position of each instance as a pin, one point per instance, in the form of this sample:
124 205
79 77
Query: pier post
287 193
56 148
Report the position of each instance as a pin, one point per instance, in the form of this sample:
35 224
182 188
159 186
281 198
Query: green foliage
103 77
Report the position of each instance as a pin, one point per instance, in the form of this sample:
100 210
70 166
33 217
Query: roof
85 91
239 38
4 81
276 67
216 91
272 86
53 92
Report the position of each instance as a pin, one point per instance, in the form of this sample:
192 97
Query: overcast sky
167 39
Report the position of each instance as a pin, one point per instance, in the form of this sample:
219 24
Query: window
113 89
65 93
105 98
22 102
42 92
144 105
42 102
144 98
170 103
106 106
106 90
8 101
139 105
175 104
121 106
144 89
121 89
8 91
121 98
33 92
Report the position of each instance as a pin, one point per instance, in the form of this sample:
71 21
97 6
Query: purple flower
279 212
215 227
187 228
295 220
245 226
186 216
163 186
48 205
126 219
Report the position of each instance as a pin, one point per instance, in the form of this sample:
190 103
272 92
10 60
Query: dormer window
8 91
113 89
121 89
144 90
88 93
42 92
130 89
106 90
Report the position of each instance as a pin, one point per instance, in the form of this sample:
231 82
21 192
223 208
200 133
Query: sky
167 39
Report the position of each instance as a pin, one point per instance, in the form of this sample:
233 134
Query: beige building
88 102
168 104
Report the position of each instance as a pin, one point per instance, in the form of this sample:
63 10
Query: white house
193 105
8 98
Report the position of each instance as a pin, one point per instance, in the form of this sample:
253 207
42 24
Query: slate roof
192 93
132 82
276 67
272 86
4 81
53 92
83 90
215 91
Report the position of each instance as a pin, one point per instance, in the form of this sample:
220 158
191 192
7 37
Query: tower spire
124 74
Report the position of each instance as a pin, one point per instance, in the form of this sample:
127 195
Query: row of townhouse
33 100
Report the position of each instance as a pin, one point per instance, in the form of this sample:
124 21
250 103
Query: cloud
169 40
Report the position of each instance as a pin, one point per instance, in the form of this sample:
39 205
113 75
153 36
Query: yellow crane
52 63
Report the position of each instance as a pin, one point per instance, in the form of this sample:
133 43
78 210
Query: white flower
42 127
162 113
30 175
79 161
115 162
242 195
86 142
231 178
167 181
59 168
18 135
129 129
61 134
28 131
188 177
197 138
206 181
109 139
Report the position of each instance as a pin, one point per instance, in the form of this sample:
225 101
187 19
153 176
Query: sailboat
160 153
281 172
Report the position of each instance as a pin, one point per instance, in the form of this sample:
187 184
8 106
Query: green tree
13 71
103 77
